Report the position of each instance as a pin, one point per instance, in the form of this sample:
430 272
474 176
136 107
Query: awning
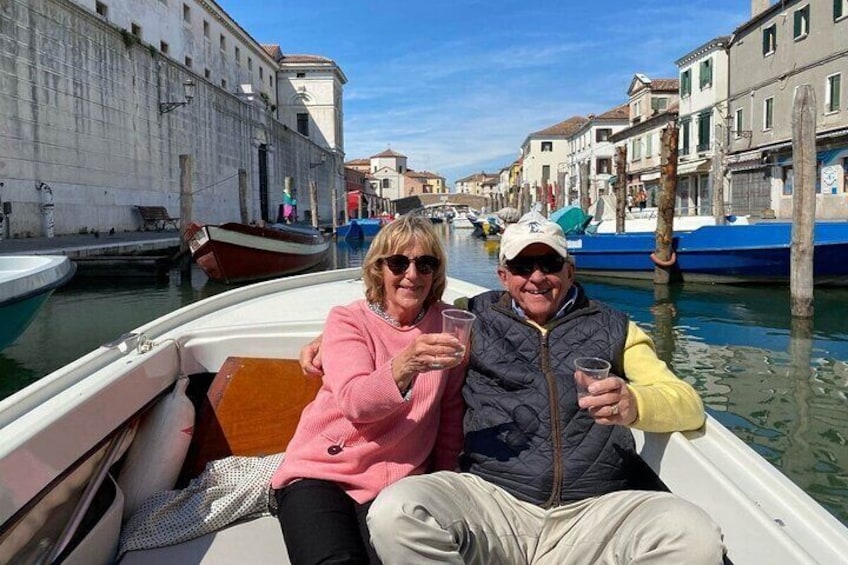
699 166
649 176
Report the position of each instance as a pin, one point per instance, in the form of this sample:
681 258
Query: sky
458 85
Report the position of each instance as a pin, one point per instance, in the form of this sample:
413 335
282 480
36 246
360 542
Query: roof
566 127
621 112
388 153
354 162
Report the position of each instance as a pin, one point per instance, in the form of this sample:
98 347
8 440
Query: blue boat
361 228
26 282
756 253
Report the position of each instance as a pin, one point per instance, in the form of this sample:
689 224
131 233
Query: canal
781 389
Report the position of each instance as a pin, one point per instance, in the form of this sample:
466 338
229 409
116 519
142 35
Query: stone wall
80 105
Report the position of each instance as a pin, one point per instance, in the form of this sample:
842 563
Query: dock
122 254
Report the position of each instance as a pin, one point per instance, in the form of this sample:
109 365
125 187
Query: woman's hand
427 353
610 402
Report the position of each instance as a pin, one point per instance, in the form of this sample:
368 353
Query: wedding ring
615 409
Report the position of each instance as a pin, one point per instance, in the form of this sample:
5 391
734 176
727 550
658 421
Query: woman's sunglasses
398 264
524 266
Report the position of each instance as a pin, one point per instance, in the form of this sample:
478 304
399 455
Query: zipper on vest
556 433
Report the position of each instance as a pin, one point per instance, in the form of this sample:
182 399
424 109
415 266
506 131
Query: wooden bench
156 217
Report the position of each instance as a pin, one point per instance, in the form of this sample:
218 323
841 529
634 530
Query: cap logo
535 227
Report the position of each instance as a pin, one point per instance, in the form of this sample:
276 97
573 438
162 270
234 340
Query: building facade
591 154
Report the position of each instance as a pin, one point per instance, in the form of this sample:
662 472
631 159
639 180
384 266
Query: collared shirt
566 307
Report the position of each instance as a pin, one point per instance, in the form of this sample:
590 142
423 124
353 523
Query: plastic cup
592 368
458 323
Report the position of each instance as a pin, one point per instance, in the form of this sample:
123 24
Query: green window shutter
836 94
765 41
797 28
837 9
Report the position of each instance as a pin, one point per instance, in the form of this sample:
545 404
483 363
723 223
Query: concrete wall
80 106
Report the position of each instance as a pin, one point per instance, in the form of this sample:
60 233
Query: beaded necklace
377 309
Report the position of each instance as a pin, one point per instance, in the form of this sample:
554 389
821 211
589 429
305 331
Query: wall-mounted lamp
188 92
319 163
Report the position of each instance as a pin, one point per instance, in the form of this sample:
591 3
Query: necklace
377 309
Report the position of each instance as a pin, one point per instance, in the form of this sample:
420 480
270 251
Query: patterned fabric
227 491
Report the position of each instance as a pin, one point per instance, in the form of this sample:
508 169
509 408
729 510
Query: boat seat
255 541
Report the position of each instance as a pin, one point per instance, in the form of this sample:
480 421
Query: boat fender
662 263
156 456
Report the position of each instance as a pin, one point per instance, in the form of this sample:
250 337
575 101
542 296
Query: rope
665 264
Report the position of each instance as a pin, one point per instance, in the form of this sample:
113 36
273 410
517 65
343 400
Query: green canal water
782 389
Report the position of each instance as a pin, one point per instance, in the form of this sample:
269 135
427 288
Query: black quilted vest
523 428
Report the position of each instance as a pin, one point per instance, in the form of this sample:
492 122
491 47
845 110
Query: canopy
571 219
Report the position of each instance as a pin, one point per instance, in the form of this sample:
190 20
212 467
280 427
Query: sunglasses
525 266
398 264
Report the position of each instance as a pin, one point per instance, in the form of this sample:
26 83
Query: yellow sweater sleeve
665 402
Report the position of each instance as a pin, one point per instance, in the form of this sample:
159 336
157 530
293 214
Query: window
637 109
704 129
303 124
261 73
222 42
164 47
135 29
186 13
207 74
802 22
603 134
659 104
205 29
271 81
637 149
832 93
547 146
386 183
840 9
769 39
101 9
705 74
188 62
237 55
224 83
684 136
300 75
737 122
603 166
546 174
649 145
249 64
686 83
768 113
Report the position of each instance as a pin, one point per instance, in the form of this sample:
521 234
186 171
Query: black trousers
322 524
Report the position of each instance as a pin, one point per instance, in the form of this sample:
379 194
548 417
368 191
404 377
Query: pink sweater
359 432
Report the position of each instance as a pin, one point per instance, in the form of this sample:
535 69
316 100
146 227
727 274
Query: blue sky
457 85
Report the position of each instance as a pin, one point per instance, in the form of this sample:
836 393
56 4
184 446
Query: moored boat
26 282
235 252
360 228
68 503
733 254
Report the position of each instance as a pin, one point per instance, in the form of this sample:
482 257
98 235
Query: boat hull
26 282
758 253
233 252
361 228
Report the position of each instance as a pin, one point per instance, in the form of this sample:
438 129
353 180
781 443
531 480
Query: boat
120 417
448 211
485 225
730 254
235 252
26 282
361 228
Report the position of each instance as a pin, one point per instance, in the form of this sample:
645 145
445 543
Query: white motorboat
26 282
84 445
645 220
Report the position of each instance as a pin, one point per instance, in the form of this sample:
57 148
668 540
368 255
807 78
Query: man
548 478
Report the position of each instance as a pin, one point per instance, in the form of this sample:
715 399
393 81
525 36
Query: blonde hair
398 235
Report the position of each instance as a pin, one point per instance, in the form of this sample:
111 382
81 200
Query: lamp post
188 93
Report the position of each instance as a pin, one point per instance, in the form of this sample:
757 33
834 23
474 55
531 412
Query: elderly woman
390 405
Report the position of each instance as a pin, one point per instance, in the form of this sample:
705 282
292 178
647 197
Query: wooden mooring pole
664 257
242 193
313 203
185 214
620 186
803 202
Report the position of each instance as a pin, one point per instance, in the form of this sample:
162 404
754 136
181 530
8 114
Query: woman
390 404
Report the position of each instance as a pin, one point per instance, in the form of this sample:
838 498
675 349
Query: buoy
664 264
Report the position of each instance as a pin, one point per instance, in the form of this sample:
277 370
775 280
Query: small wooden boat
234 252
112 432
733 254
26 282
361 228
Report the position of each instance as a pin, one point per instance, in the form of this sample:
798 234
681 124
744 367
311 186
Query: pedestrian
642 198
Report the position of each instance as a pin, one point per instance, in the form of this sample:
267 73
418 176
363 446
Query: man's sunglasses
524 266
398 264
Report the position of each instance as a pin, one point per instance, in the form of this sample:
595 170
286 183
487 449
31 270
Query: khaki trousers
460 518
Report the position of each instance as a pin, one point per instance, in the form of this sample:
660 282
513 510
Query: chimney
758 7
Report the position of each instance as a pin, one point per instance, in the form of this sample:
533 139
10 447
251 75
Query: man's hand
310 358
610 402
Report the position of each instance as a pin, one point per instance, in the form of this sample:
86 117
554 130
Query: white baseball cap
532 228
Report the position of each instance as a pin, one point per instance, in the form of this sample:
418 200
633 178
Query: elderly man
549 478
